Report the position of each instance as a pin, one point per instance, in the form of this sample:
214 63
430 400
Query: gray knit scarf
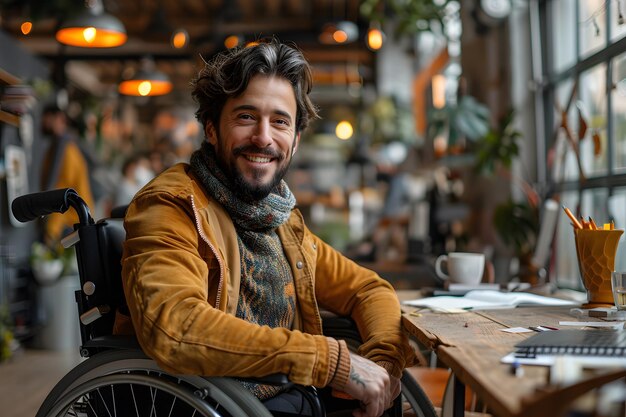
267 292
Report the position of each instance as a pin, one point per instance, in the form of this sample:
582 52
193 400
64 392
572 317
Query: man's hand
372 385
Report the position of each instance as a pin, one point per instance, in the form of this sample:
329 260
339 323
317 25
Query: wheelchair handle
31 206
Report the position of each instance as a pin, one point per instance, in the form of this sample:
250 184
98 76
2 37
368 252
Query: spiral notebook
574 342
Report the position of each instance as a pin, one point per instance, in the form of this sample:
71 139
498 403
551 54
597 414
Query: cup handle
441 259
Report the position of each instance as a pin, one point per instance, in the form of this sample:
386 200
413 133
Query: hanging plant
466 119
498 147
412 16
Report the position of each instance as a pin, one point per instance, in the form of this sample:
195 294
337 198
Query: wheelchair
117 378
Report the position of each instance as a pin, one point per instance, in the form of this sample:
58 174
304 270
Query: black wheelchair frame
116 365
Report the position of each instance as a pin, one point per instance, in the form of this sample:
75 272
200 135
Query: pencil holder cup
596 251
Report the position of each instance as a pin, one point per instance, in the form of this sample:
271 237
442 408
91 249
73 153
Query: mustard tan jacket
181 271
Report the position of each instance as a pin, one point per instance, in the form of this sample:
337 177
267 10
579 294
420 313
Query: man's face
257 136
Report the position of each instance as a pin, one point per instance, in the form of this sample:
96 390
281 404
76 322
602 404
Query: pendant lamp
375 37
148 81
339 33
93 28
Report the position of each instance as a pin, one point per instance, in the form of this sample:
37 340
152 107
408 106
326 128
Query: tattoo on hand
356 378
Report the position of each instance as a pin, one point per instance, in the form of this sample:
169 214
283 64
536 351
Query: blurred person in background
136 172
64 166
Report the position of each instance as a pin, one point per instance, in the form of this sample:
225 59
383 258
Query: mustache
272 153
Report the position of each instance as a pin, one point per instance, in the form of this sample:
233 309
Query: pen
573 218
542 328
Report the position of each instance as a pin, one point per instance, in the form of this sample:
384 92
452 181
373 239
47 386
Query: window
584 46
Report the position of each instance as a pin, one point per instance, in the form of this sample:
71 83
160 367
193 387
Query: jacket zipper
220 285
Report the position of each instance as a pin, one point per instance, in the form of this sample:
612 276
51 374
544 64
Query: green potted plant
8 344
466 118
516 222
47 262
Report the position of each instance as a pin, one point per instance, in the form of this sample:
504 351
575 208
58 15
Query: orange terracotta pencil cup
596 251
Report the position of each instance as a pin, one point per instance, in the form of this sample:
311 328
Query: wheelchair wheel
128 394
414 398
225 395
415 402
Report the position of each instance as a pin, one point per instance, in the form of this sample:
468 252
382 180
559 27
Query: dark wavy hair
228 74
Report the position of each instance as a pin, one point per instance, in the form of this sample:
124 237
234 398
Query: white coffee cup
461 267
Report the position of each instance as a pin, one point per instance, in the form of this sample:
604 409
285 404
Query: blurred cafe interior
446 126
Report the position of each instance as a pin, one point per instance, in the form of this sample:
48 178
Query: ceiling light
93 28
232 41
375 38
26 27
344 130
339 33
146 82
180 38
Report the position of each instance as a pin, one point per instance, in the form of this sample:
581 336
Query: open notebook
593 348
488 299
574 342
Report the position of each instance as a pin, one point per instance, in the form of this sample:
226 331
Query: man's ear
296 142
209 132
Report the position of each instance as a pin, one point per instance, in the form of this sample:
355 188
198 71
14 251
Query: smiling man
222 276
256 135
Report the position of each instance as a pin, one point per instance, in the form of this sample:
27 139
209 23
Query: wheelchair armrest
272 379
121 342
112 342
341 328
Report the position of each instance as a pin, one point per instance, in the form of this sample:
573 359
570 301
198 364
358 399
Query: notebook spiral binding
532 351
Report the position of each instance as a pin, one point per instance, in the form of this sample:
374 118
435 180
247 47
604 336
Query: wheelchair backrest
99 254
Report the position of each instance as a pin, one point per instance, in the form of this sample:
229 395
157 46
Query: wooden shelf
9 118
9 79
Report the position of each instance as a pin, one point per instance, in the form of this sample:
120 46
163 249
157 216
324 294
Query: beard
244 188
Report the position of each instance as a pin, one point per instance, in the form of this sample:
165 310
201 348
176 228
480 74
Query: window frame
546 88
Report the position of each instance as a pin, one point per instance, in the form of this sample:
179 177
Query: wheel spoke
153 398
86 398
114 402
73 411
106 406
132 391
172 406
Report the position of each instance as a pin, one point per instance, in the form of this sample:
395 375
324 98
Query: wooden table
472 344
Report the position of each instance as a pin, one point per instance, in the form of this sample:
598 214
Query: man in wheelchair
221 275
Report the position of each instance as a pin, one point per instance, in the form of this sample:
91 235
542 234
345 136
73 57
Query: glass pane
563 28
592 26
566 272
618 20
618 113
592 107
617 209
594 205
563 163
